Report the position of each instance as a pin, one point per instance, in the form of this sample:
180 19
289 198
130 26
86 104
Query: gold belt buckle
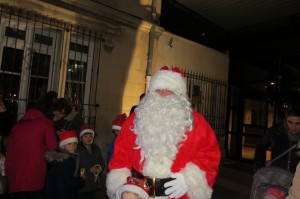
152 186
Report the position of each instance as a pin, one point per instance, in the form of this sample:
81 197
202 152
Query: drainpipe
151 43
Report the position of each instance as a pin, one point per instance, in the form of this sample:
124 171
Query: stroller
272 182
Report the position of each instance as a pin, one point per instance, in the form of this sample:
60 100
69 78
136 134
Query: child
91 163
63 181
116 128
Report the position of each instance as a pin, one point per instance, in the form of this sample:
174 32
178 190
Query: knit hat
118 122
171 79
86 129
67 137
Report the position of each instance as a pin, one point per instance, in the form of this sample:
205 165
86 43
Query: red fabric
86 129
139 183
176 70
275 192
29 139
67 134
201 148
119 120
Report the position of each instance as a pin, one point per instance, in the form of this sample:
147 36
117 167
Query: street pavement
233 182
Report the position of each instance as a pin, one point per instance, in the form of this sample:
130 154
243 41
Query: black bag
271 179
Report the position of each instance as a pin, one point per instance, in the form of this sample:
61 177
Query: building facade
101 56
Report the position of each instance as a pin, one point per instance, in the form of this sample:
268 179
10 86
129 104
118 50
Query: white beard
161 123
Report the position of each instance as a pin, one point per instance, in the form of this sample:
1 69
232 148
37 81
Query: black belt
156 185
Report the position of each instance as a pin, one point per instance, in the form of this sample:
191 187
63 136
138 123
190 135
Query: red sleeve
208 156
123 146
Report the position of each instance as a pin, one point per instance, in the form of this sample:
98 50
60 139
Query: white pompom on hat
86 129
170 79
67 137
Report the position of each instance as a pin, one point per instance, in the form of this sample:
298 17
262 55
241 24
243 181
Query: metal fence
209 97
39 53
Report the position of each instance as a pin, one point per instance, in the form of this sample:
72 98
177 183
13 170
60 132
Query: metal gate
208 97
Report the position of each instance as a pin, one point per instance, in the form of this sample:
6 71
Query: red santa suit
198 159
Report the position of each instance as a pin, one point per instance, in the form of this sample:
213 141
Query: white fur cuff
115 179
196 182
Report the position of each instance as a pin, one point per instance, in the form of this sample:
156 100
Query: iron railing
208 96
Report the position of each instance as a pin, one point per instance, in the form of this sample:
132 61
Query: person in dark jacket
135 106
65 117
280 138
116 128
91 163
63 180
7 121
48 101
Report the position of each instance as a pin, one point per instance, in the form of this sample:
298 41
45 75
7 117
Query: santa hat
118 122
67 137
171 79
135 185
86 129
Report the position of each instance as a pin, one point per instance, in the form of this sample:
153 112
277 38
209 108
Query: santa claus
167 145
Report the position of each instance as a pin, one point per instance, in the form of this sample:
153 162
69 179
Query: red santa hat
135 185
118 122
171 79
67 137
86 129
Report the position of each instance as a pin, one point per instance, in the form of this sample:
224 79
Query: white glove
177 187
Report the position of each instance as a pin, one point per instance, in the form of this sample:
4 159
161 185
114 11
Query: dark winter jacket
276 138
87 160
72 121
63 181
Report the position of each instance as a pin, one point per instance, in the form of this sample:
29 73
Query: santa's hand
177 187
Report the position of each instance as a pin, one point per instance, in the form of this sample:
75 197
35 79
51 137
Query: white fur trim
86 131
196 181
115 179
167 79
67 141
116 127
132 188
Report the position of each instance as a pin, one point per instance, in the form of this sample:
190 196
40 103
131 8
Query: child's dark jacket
63 181
87 160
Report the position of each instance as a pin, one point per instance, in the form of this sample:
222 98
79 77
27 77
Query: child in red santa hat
91 162
63 180
116 128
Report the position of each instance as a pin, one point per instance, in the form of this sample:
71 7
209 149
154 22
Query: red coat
29 139
198 156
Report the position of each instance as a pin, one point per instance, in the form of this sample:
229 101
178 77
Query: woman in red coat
25 165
